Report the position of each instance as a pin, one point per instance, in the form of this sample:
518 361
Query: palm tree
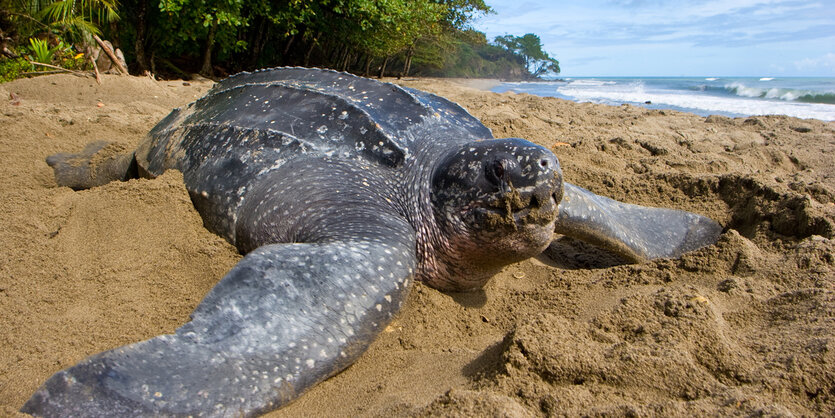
75 18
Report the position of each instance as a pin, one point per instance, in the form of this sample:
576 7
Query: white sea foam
591 83
767 79
742 90
804 98
748 104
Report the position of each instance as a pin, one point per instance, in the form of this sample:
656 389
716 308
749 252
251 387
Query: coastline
802 97
708 334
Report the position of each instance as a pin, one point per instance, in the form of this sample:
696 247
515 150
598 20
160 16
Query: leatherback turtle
341 192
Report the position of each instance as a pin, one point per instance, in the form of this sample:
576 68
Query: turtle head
495 203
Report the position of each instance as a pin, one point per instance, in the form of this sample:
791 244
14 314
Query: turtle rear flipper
286 317
98 163
637 233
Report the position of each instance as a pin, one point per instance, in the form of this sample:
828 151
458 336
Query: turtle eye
495 171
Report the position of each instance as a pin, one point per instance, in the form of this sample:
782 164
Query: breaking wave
787 94
740 96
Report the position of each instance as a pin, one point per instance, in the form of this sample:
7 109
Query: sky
756 38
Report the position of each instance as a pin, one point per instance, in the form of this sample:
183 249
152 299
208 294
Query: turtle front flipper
286 317
637 233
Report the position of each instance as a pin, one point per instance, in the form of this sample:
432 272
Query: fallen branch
110 55
51 66
45 72
56 68
95 68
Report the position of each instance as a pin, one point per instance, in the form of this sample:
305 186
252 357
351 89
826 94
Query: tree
529 47
467 53
178 37
461 12
206 21
75 20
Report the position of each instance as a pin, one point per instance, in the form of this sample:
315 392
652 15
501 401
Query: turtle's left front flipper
286 317
637 233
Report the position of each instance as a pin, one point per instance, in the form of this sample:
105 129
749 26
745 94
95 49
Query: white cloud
825 62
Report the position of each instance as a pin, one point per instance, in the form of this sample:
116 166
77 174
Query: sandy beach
743 327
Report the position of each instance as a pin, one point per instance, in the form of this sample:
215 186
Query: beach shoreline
746 326
802 97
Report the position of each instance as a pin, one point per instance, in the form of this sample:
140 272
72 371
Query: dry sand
746 326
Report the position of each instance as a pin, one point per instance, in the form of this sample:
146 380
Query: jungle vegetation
218 37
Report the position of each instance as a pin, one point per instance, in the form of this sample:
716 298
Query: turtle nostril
544 162
534 202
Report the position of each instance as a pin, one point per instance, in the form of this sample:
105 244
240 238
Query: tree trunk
141 31
207 70
257 45
153 62
288 45
310 50
367 65
383 67
346 56
408 61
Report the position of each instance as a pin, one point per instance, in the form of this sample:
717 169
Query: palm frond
59 11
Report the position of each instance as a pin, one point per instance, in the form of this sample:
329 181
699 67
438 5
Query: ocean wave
704 103
591 83
785 94
825 98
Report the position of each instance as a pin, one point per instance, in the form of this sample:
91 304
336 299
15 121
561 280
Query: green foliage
186 26
81 14
459 13
364 36
386 28
75 20
10 69
41 51
467 54
62 54
529 47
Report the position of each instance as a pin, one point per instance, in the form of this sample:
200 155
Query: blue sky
675 37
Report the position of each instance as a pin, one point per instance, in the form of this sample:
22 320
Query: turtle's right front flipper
286 317
637 233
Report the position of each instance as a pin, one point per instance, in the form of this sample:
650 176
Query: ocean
801 97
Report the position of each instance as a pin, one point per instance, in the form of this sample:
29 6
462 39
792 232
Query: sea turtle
341 192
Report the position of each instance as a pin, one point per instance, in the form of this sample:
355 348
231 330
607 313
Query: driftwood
44 72
110 54
95 68
55 67
51 66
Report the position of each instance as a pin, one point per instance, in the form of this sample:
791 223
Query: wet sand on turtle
746 326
